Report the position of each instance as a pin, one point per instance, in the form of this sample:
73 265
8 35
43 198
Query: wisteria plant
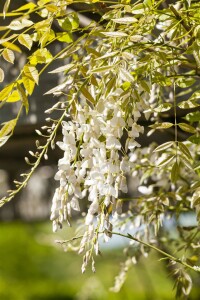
129 114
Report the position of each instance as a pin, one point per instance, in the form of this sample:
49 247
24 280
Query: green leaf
115 34
25 40
57 89
196 53
8 38
125 75
164 146
195 96
31 72
184 149
63 68
8 55
46 37
65 24
87 95
6 91
6 7
73 17
125 20
163 107
18 25
138 9
23 97
184 82
145 86
186 162
188 104
126 86
102 69
161 79
51 8
166 161
107 55
195 139
174 172
1 75
13 97
196 201
28 83
110 85
41 56
93 51
148 2
163 125
11 46
4 139
65 37
28 6
193 117
186 127
8 127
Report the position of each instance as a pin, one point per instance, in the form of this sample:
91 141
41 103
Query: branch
167 255
179 18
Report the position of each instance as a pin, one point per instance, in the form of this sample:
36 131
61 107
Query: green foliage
137 63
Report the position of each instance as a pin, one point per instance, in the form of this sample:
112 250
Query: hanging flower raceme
95 163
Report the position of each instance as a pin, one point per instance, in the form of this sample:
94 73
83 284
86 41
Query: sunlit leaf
6 7
102 69
87 95
164 146
163 125
13 97
193 117
1 75
12 36
57 89
107 55
23 97
41 56
52 8
125 75
11 46
28 83
186 127
185 82
74 19
188 104
195 139
8 127
4 139
125 20
6 91
8 55
25 40
166 161
175 172
31 72
184 149
163 107
28 6
65 37
63 68
186 162
115 34
18 25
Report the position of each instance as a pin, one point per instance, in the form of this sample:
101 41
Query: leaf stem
36 164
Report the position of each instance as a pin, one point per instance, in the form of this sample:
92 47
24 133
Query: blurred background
32 265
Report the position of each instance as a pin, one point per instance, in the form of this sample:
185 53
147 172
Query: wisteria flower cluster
129 103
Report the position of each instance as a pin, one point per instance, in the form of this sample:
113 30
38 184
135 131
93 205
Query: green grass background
33 268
